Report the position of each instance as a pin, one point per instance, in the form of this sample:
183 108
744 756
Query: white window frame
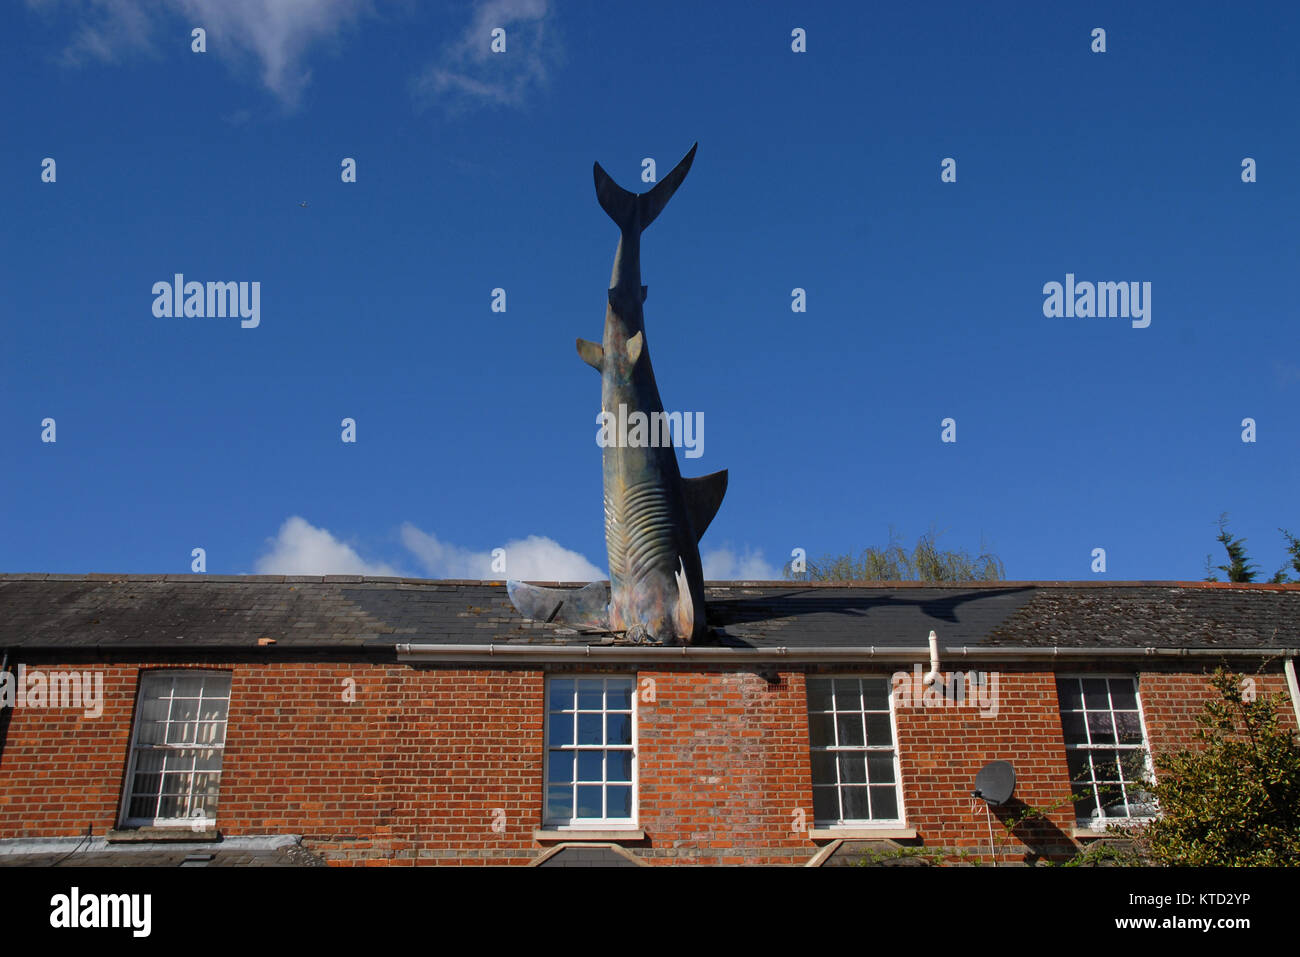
128 789
1101 823
590 823
857 824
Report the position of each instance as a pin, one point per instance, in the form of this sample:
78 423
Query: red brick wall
421 766
724 767
436 765
942 749
419 761
60 770
1172 700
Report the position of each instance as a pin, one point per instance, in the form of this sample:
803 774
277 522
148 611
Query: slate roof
355 615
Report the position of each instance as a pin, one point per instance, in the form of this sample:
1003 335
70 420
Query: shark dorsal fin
634 347
591 353
703 498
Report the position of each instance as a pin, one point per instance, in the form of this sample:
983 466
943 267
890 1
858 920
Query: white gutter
504 653
1291 686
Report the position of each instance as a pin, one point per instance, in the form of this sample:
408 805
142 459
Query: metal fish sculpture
654 518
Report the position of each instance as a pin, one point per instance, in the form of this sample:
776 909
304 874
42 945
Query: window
1105 747
854 759
180 734
590 755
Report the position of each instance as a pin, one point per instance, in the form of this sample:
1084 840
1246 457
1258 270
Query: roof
352 614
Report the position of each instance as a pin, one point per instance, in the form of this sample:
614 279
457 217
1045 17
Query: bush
1236 801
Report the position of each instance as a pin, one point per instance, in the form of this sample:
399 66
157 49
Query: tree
1239 567
925 562
1236 802
1293 550
1242 569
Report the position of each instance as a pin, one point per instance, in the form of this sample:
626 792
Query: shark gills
654 518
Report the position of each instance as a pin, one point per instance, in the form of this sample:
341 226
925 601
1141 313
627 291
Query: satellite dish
995 782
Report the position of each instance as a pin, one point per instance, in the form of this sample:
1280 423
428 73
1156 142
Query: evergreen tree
1239 567
1293 550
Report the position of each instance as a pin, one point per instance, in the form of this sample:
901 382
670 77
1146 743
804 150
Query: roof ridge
756 583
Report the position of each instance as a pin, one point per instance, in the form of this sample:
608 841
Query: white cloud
534 558
276 33
724 564
301 548
467 73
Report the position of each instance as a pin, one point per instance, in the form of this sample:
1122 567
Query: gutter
1291 686
504 653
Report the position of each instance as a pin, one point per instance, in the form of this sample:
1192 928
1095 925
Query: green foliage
1104 853
1232 801
925 562
1235 802
1293 552
932 856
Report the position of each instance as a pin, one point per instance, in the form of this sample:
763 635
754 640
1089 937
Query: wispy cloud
468 74
274 34
727 564
300 548
106 31
534 558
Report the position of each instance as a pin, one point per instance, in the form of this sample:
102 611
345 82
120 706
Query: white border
856 824
592 823
1101 824
128 783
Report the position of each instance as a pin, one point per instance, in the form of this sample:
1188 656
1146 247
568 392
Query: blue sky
819 170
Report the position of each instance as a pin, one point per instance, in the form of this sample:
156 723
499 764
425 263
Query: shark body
654 518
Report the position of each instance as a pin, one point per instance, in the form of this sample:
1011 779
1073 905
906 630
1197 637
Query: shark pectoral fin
703 497
684 613
586 607
634 347
591 353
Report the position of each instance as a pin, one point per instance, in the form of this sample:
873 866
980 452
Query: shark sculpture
654 518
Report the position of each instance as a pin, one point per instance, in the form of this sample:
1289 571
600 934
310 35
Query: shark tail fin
586 607
639 210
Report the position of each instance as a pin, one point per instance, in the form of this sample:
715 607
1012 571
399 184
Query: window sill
862 833
608 834
154 835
